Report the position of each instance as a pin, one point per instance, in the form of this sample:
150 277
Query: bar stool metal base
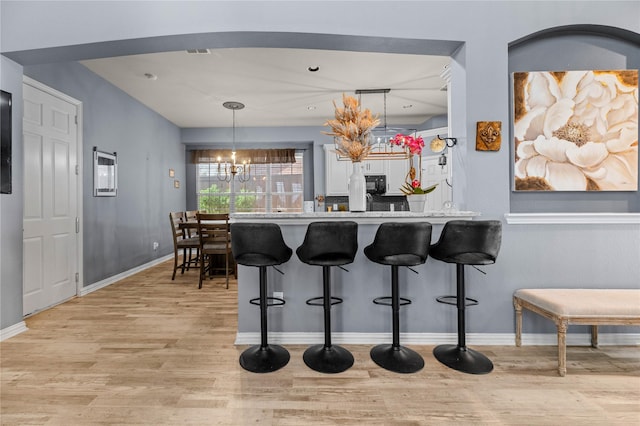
397 359
463 359
258 359
328 359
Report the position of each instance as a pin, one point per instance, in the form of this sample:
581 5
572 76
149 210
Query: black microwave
376 184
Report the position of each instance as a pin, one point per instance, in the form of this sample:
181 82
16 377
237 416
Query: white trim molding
572 218
108 281
13 330
481 339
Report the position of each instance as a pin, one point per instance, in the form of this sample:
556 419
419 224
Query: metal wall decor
105 173
488 135
438 144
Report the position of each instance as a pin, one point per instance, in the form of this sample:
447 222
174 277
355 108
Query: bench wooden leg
594 336
518 308
562 347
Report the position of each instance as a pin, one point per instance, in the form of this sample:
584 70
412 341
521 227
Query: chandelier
228 170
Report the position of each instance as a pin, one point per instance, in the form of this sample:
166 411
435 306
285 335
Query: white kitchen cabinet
374 167
396 171
336 173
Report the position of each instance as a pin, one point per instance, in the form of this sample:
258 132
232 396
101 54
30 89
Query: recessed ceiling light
313 69
150 76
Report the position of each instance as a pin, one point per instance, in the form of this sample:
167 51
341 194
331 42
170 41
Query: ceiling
276 85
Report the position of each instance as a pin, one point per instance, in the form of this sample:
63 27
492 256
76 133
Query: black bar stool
261 245
398 244
328 244
465 243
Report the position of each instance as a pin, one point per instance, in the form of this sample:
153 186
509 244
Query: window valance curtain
255 156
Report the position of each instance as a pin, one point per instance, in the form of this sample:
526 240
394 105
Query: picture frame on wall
5 142
105 174
575 130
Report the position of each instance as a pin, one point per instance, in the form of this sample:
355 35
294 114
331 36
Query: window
274 187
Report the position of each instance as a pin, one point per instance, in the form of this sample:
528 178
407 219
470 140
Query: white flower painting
576 130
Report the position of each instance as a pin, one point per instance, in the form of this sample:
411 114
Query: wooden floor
150 351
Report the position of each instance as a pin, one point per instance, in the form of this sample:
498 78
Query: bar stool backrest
469 242
258 244
329 243
402 244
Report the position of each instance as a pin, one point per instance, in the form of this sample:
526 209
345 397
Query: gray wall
119 231
476 35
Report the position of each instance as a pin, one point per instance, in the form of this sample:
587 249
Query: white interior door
50 239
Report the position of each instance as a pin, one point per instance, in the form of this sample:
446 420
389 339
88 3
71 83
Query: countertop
359 217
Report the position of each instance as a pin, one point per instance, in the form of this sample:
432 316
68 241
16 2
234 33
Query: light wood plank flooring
148 350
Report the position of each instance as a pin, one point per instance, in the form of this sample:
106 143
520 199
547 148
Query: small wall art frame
105 174
575 130
488 135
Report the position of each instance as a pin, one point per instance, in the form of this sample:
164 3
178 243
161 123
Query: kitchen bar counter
434 217
357 319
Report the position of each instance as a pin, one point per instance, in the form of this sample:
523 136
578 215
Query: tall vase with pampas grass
357 189
351 129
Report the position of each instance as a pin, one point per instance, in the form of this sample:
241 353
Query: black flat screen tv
5 136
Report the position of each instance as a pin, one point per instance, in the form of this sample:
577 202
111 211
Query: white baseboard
108 281
488 339
13 330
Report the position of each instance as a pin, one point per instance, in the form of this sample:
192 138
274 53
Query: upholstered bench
578 306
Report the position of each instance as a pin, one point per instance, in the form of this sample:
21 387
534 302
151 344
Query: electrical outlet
279 295
155 245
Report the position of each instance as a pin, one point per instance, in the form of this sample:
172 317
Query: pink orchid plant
414 146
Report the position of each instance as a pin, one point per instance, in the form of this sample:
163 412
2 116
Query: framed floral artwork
576 130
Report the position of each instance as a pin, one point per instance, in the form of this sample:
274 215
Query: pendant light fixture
229 170
382 135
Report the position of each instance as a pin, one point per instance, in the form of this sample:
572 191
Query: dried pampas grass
351 128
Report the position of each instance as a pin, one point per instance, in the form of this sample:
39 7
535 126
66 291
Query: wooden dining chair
191 217
181 243
215 239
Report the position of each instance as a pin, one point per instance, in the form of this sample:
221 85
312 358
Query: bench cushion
570 302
